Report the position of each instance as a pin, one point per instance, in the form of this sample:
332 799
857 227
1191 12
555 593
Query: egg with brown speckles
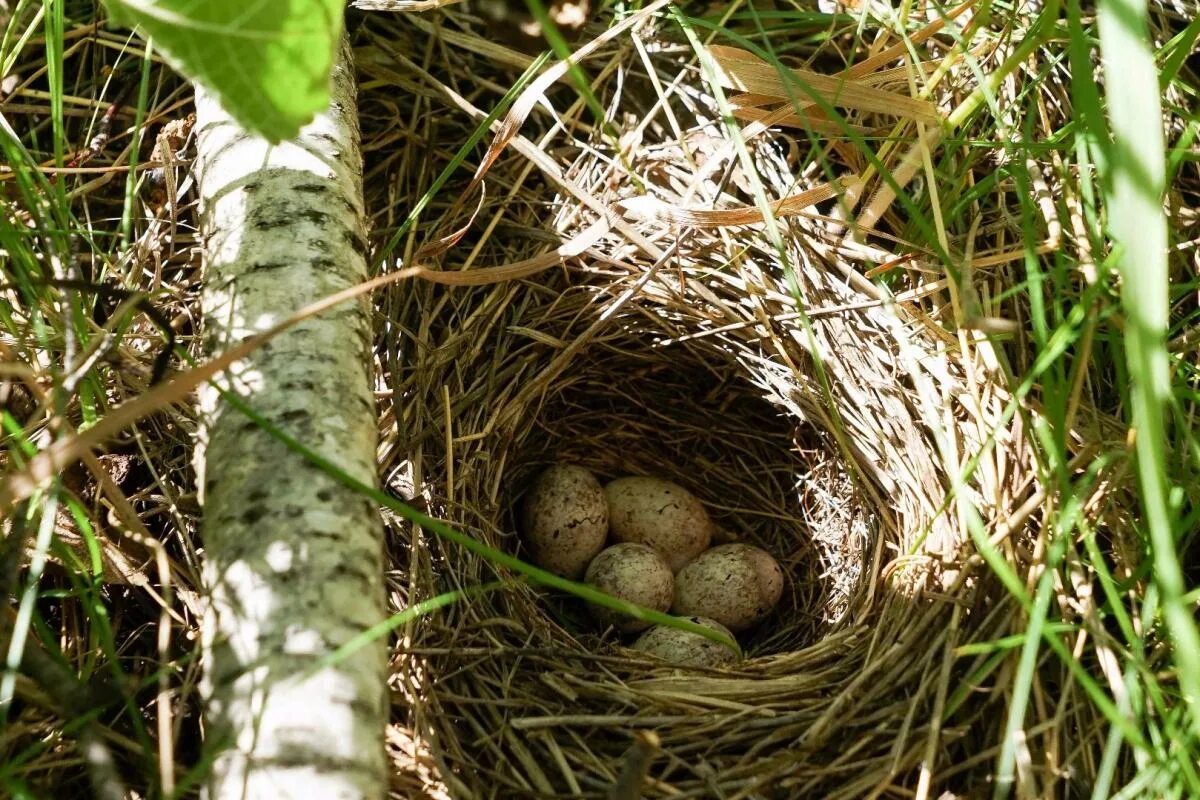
770 574
564 519
688 649
661 514
724 584
635 573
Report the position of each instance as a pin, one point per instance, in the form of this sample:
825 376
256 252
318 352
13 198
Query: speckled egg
770 574
564 519
661 514
688 649
633 572
723 584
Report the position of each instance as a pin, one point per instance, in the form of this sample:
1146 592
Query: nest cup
575 368
631 404
636 396
798 404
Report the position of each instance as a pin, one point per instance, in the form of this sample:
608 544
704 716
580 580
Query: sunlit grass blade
1138 228
741 70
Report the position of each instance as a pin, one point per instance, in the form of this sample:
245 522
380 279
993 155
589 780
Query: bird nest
816 415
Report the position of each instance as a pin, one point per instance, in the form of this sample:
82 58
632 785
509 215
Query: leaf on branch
267 61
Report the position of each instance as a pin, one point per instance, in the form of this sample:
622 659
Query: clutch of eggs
661 558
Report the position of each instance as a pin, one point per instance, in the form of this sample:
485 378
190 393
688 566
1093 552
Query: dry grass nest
816 416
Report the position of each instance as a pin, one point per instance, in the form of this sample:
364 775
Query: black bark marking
328 536
355 240
314 216
253 514
266 266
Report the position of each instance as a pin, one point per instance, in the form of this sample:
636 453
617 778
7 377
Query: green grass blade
135 150
415 611
54 76
1138 228
1037 628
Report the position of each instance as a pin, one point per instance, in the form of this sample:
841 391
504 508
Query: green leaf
268 61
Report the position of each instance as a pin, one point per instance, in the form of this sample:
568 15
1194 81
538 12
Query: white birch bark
292 559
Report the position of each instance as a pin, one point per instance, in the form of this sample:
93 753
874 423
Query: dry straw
817 416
